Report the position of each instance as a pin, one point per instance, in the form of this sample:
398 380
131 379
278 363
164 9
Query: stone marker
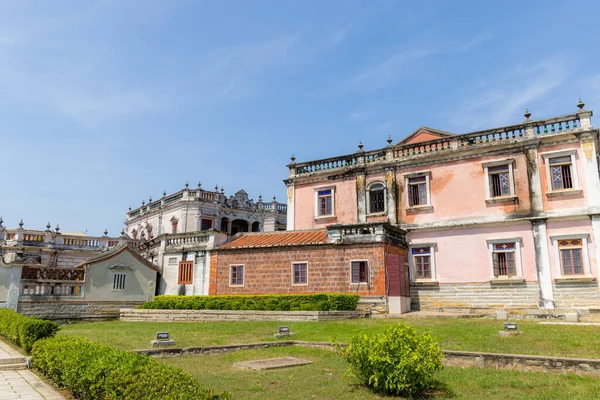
272 363
510 329
162 339
572 317
284 331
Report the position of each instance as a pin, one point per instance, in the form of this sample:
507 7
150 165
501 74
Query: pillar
590 170
392 205
361 197
542 263
14 288
291 197
596 236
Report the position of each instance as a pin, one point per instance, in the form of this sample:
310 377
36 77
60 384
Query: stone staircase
13 363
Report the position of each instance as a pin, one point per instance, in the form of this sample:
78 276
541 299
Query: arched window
376 198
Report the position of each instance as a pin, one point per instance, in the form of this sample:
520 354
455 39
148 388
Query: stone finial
129 208
48 226
259 200
389 140
199 185
21 223
293 158
580 105
122 232
187 184
105 232
527 113
143 235
164 193
360 146
222 190
143 202
57 228
1 221
216 188
274 198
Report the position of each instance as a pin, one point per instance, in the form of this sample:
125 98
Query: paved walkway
22 384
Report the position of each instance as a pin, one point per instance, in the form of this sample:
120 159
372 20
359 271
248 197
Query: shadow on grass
438 390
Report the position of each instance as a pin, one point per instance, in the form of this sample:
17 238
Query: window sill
359 283
419 208
378 214
567 192
506 280
580 278
236 285
300 284
425 282
325 217
501 199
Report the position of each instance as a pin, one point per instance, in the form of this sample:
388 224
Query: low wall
234 315
74 309
462 359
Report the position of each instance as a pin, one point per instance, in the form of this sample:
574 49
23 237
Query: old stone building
57 275
507 217
179 231
367 259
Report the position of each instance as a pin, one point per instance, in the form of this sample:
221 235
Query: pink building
503 218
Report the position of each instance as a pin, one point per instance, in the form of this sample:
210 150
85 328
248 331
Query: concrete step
12 367
432 315
12 360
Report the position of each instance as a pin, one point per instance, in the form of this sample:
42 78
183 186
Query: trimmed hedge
267 302
92 370
24 331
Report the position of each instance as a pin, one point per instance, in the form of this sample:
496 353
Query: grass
452 334
324 379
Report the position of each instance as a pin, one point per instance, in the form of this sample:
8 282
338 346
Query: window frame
293 264
123 283
231 266
368 281
510 162
518 260
585 258
185 263
574 174
412 265
317 197
418 174
368 194
212 223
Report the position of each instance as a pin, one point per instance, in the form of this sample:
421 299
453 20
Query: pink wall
571 228
462 255
345 204
562 202
458 191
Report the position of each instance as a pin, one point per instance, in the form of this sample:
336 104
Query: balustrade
449 144
68 241
53 274
187 240
47 289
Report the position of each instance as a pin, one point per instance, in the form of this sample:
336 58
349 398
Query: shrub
267 302
397 361
24 331
95 371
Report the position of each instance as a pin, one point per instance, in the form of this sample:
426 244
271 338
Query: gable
424 134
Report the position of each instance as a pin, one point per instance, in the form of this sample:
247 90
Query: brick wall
269 270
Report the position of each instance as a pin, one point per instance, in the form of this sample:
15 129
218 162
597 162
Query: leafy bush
397 361
267 302
24 331
95 371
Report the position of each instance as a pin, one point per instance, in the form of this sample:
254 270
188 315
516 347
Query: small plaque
162 335
284 329
510 326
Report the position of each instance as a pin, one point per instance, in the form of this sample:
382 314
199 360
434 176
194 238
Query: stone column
392 205
542 263
535 184
596 236
14 288
590 170
291 197
361 197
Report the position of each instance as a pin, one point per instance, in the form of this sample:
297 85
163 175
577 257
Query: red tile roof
273 239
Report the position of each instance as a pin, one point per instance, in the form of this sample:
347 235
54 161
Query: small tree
397 361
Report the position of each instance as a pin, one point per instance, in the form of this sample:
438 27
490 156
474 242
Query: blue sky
106 103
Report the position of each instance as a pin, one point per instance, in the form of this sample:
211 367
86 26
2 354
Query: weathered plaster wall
4 283
568 201
455 184
462 255
583 226
138 283
345 204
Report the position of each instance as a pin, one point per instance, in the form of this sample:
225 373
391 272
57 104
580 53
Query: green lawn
324 379
453 334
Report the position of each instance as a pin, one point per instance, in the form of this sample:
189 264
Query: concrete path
17 382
